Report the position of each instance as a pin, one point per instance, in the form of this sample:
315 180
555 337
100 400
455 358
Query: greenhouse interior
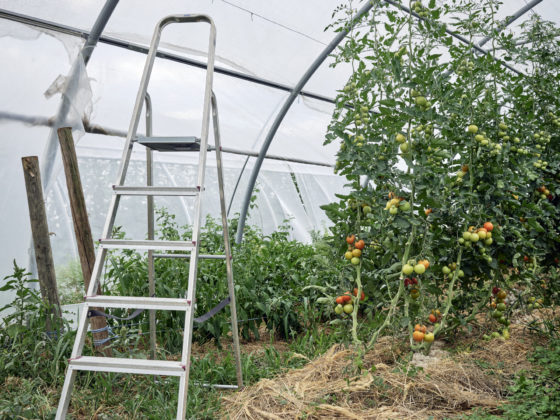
273 210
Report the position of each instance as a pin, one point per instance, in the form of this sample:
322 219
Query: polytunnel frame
96 35
315 65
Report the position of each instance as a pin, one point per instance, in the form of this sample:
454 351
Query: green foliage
70 283
26 350
536 393
270 274
454 140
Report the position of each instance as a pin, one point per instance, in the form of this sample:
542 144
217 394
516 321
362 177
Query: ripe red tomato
495 290
362 296
432 318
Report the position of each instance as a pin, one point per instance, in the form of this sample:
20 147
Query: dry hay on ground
330 388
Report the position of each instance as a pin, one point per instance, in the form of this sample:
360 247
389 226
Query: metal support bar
188 256
151 226
284 110
457 36
98 28
511 19
29 20
106 131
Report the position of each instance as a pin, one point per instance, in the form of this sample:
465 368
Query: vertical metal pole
284 110
150 199
227 245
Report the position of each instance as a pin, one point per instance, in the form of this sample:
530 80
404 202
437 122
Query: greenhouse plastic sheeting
272 40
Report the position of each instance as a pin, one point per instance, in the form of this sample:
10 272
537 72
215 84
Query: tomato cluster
344 302
421 334
354 249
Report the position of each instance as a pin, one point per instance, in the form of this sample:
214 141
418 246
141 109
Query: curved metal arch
284 110
319 60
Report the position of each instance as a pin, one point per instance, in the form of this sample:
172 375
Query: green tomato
497 314
473 129
367 209
488 241
400 138
495 334
348 255
404 147
348 308
407 269
446 270
474 237
355 260
393 210
461 273
338 309
405 206
501 307
419 268
420 101
467 236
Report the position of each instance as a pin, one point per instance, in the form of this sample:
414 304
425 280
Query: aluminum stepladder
180 368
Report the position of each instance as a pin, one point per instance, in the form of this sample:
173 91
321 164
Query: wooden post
82 228
41 239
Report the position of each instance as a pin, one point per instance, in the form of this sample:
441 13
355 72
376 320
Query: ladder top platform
171 144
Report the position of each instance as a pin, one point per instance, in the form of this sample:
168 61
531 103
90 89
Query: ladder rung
163 191
171 144
130 302
122 365
149 245
188 256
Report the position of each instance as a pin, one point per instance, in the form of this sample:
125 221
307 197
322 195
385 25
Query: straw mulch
331 387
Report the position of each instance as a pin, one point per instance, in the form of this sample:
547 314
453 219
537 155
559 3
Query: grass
132 397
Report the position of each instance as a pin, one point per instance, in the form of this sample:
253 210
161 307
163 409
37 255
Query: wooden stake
41 239
82 229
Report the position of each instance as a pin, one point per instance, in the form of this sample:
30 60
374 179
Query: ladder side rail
193 266
227 243
150 210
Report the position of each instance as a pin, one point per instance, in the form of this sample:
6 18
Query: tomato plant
454 157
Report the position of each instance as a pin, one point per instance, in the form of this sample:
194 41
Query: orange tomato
488 226
425 263
432 318
360 244
418 336
427 211
350 239
340 300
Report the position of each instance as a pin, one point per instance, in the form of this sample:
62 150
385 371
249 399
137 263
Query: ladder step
122 365
132 302
188 256
171 144
146 244
163 191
